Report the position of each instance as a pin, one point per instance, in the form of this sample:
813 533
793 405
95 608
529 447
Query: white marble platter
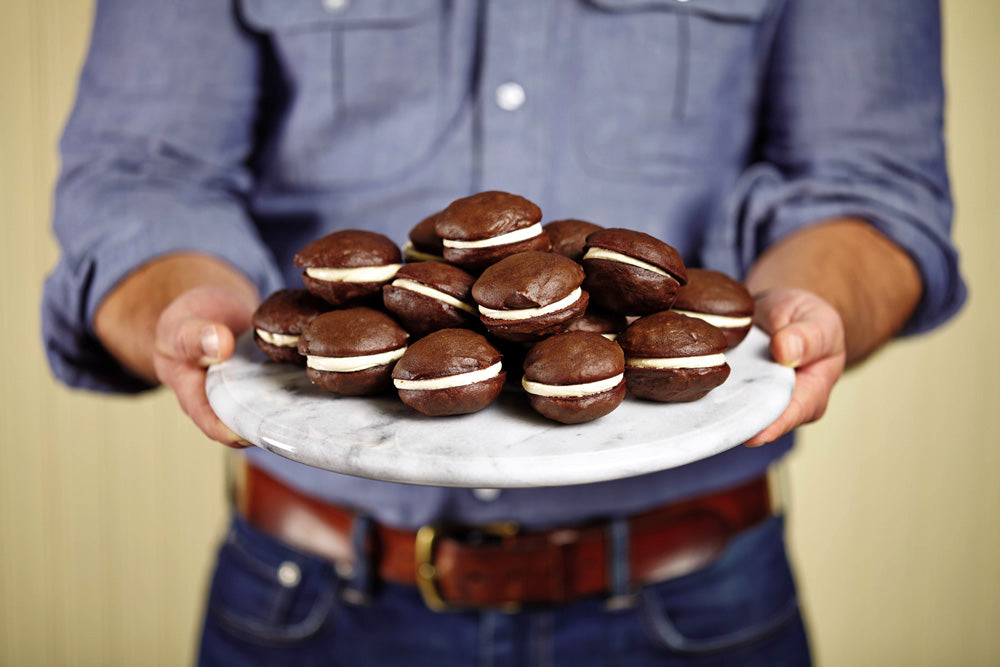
506 445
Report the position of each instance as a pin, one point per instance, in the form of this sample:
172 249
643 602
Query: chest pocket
669 87
366 88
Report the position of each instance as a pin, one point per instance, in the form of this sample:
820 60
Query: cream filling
353 364
420 288
449 381
528 313
277 339
411 253
721 321
612 256
666 363
571 390
357 274
504 239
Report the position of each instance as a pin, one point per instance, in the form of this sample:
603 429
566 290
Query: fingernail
793 352
237 441
209 345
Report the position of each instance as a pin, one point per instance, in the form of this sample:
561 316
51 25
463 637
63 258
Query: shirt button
510 96
335 5
486 495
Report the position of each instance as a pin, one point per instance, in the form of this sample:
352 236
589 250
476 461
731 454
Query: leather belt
499 565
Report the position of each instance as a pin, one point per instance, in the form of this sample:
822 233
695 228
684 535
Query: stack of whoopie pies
579 313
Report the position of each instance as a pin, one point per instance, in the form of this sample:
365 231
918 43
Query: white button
289 574
335 5
486 495
510 96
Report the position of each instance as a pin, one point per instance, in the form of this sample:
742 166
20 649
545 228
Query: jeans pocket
266 593
746 596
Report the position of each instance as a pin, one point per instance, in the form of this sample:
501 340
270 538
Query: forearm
871 282
126 320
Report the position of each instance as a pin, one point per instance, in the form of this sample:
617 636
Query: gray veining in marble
507 445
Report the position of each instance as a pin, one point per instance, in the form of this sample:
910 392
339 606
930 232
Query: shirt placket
512 99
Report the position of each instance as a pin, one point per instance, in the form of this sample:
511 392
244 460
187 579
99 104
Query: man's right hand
196 330
172 318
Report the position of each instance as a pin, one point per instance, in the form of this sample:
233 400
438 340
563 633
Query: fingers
806 334
197 330
188 384
810 397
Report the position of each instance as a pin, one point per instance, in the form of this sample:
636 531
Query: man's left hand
807 334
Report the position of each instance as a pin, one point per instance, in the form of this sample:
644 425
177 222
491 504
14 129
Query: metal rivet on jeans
344 569
289 574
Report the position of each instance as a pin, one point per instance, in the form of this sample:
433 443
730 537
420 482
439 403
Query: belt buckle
426 571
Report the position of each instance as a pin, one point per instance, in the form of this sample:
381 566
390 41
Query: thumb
199 327
196 341
804 328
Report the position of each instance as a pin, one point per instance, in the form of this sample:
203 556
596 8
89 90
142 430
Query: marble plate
507 445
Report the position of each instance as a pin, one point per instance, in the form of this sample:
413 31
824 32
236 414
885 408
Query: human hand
807 334
196 330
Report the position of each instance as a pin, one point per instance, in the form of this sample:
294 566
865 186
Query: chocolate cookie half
673 358
631 272
719 300
530 295
424 245
281 318
569 237
600 321
449 372
352 351
481 229
349 267
427 296
574 377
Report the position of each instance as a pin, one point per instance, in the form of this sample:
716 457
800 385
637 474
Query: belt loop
360 580
619 575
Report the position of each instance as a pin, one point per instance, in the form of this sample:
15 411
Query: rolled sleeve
153 163
852 126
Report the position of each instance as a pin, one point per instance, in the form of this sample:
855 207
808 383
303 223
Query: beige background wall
109 506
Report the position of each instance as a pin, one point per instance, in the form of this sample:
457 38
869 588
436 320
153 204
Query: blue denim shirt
248 128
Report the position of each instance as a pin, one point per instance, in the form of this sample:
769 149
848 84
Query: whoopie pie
569 237
478 230
673 358
718 299
631 272
424 245
352 351
449 372
281 318
574 377
598 320
349 267
530 295
427 296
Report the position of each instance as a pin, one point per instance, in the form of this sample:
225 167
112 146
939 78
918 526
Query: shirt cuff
767 207
78 284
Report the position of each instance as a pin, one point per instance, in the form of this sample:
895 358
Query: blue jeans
272 605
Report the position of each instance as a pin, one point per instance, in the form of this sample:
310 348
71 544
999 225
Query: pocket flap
727 10
295 15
